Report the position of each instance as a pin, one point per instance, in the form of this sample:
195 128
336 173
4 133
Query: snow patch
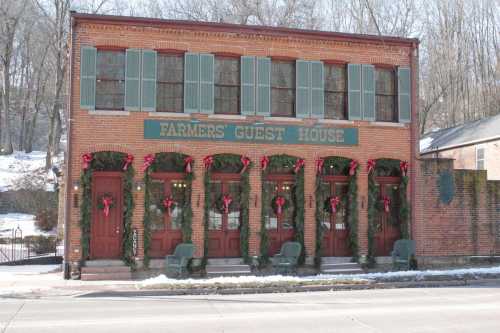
425 143
25 223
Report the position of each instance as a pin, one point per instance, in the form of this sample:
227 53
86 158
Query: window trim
483 159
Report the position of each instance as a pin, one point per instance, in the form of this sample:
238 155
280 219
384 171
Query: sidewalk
44 281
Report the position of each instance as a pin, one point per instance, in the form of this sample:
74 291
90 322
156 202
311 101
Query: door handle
117 230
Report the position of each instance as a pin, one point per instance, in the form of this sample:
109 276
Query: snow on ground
19 164
162 279
7 272
425 143
25 222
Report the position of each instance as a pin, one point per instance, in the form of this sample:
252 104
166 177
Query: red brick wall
469 225
90 132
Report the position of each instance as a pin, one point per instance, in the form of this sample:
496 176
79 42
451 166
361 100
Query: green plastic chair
178 262
286 261
402 254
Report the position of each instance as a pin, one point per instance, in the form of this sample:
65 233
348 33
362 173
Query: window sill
108 113
297 120
227 116
336 121
387 124
170 114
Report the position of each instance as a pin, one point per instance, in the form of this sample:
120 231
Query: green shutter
317 90
247 85
354 91
207 83
368 92
303 89
148 95
87 77
263 86
404 94
132 79
191 82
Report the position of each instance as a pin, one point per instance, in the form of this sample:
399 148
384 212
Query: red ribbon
107 201
370 166
128 160
148 161
279 202
226 201
387 203
298 165
319 165
208 161
246 162
403 166
188 161
264 162
168 202
334 201
352 167
86 158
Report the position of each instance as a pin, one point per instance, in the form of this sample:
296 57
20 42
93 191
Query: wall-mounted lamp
76 185
139 185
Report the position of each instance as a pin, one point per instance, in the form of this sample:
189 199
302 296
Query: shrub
46 219
41 244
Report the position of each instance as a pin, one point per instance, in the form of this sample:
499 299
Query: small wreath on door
332 204
105 202
167 205
280 204
225 204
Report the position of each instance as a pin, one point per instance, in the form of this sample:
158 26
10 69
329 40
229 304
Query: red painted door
280 228
335 227
387 225
224 228
106 231
166 228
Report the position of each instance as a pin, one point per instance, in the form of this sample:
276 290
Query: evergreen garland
167 162
108 161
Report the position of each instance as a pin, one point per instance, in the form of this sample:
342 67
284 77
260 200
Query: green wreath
100 202
275 206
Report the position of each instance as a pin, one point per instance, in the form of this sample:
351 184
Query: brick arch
108 147
172 148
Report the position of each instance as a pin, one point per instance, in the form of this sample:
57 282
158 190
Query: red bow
226 201
280 202
370 166
148 161
168 202
107 201
128 160
334 201
403 166
188 164
387 203
264 162
352 167
87 158
298 165
319 165
246 162
208 161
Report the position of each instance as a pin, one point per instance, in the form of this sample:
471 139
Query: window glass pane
283 88
335 105
110 65
335 91
157 195
227 85
178 187
170 83
335 78
214 215
325 189
341 214
385 94
269 187
287 216
480 153
110 80
110 95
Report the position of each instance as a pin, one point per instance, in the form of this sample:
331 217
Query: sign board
254 133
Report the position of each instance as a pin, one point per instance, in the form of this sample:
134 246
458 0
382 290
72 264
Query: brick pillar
255 207
197 203
362 180
138 214
309 208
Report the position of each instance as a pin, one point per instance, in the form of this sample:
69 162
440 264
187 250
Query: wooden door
166 228
224 228
280 228
106 231
335 227
387 225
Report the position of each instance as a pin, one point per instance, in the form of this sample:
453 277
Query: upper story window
385 94
335 91
110 80
170 82
227 85
480 158
282 88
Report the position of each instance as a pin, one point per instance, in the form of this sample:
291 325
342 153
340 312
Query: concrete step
109 269
341 268
342 271
335 260
225 261
351 265
227 268
106 276
104 263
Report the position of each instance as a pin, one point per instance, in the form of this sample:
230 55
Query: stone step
351 265
342 271
221 274
106 276
227 268
335 260
104 263
109 269
225 261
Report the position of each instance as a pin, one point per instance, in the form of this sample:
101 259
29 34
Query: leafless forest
459 51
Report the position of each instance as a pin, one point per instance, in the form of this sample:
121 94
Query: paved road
471 309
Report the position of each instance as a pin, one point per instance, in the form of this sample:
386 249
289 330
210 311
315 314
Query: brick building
242 138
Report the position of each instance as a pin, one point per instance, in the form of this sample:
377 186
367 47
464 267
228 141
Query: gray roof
485 129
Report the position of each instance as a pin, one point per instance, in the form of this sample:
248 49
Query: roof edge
231 27
460 145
